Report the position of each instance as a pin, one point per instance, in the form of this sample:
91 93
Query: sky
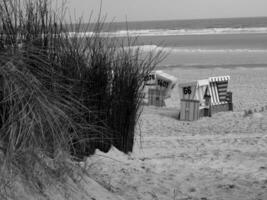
143 10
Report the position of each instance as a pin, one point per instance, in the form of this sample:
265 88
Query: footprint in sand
226 186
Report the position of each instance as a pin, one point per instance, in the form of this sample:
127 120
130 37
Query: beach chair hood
194 90
162 81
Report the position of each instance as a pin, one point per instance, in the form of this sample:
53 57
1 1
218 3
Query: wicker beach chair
219 95
192 100
159 86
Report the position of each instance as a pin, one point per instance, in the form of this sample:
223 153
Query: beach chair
220 98
156 97
158 86
193 104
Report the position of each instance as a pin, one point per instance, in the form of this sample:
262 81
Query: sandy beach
222 157
71 81
215 158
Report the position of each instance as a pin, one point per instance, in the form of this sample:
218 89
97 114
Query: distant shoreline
232 66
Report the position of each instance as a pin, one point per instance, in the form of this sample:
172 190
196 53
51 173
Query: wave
206 66
209 31
175 32
149 48
181 50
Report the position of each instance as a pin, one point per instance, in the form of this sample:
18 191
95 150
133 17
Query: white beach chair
158 87
192 101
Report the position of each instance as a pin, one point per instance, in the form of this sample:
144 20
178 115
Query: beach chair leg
231 107
209 111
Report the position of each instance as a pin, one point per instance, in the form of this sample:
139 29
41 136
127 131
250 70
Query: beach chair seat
156 97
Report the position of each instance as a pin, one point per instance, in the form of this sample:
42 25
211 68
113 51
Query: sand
222 157
219 158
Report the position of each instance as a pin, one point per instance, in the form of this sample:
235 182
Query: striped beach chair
218 89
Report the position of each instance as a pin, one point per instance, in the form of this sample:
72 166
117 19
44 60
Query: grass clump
126 104
63 94
39 117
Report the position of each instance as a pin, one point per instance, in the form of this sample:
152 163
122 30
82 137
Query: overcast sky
139 10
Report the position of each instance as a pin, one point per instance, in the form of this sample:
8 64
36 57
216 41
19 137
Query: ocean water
200 43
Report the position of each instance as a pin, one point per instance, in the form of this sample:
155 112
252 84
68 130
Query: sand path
174 161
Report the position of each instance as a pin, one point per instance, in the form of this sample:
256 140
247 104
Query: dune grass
63 94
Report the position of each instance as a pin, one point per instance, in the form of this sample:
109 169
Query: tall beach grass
63 94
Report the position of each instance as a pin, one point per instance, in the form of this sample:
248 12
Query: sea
228 42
